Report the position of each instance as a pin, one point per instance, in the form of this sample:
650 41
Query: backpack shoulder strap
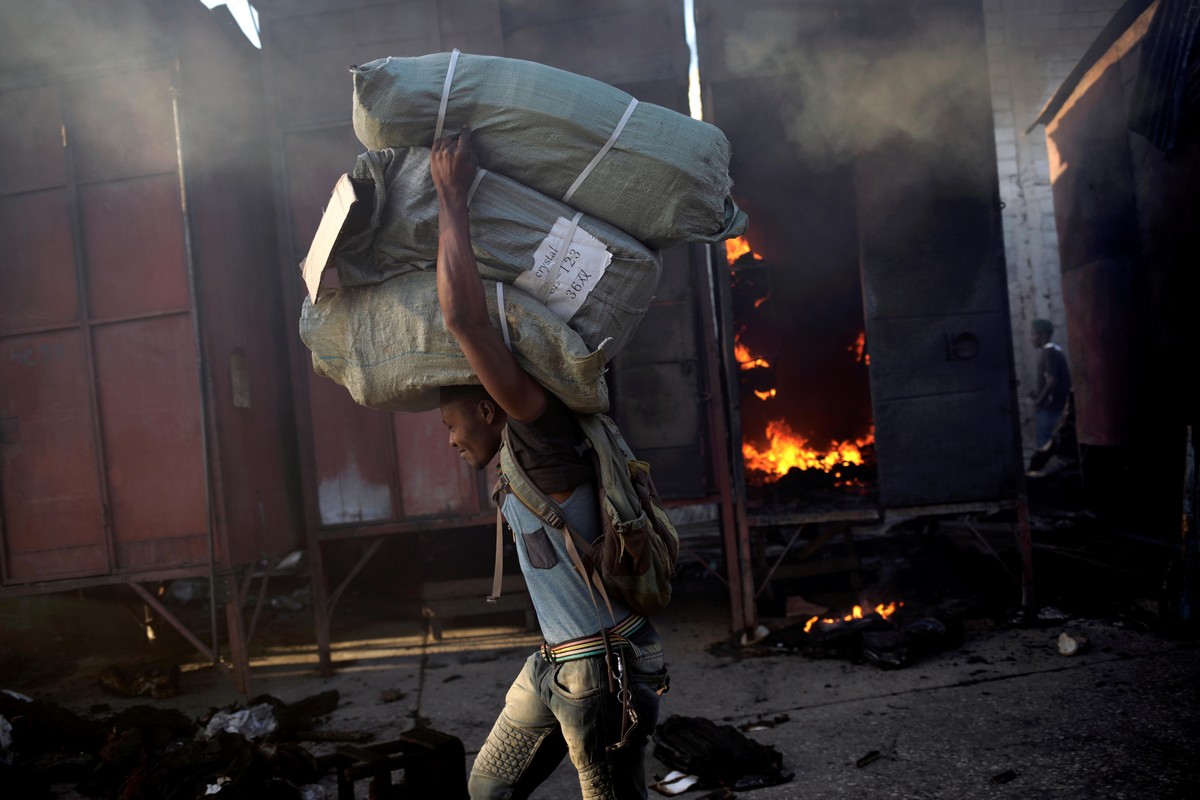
515 480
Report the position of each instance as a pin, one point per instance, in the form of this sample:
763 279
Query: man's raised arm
460 290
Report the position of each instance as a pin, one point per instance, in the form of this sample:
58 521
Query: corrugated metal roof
1168 65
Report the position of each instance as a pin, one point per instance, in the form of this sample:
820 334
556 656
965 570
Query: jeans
1046 420
554 710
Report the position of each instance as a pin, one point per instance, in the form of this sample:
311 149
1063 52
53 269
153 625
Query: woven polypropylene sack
665 179
387 345
602 285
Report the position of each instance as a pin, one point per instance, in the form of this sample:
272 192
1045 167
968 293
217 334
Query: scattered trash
149 753
761 724
754 637
290 561
1004 777
719 755
215 788
871 756
295 601
1070 644
156 682
254 722
1050 614
185 590
674 783
900 647
390 695
5 741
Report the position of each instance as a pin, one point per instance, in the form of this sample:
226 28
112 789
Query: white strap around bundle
603 150
441 120
475 185
612 139
503 316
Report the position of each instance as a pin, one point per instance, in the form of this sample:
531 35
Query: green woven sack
601 286
388 346
664 179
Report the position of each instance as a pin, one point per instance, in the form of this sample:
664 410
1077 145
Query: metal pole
201 360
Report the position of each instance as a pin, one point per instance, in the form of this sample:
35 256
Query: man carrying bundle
592 690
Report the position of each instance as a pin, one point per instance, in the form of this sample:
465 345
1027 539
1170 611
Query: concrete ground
998 712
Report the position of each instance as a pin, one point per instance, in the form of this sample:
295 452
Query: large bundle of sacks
388 346
580 186
601 287
656 174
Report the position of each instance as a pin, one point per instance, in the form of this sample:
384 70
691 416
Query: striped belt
625 632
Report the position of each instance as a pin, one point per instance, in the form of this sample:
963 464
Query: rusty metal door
934 281
101 463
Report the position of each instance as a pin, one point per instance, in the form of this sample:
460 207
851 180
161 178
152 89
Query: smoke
847 85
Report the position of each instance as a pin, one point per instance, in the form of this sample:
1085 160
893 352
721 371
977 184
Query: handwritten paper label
565 290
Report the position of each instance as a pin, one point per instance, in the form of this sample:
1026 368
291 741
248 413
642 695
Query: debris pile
705 754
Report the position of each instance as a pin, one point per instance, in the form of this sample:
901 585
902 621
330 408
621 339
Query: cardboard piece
341 201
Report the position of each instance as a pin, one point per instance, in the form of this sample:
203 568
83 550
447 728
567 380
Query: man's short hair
1043 326
468 395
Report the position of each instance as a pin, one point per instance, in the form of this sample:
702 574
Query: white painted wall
1032 46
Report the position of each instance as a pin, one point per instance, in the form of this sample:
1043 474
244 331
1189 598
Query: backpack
635 554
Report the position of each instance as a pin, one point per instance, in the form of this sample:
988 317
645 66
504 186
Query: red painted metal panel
353 456
36 261
313 50
53 513
149 398
133 247
1106 356
434 480
316 159
123 125
31 153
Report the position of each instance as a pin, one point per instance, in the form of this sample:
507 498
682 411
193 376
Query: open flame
746 360
741 354
786 449
737 247
884 610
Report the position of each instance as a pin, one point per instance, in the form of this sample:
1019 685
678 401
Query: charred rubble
150 753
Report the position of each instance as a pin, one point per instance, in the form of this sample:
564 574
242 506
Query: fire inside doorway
804 395
869 299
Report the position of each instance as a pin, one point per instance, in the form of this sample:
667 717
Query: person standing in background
1053 380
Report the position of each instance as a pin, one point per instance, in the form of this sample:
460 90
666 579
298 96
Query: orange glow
884 610
737 247
785 449
767 395
859 348
741 354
